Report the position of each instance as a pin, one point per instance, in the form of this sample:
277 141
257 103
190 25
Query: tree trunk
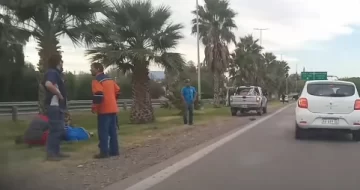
216 89
47 48
141 108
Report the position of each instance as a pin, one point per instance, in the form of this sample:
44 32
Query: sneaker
113 155
53 158
62 155
101 156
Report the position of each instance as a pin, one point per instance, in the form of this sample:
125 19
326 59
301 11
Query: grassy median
167 122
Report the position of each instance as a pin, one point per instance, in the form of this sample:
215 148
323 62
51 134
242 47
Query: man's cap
187 81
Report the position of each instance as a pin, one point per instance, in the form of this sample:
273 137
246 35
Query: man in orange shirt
105 93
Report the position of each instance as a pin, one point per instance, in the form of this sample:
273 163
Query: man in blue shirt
55 103
188 95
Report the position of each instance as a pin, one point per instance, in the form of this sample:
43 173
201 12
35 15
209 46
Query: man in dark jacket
55 103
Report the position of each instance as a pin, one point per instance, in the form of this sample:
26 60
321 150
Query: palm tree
48 20
282 72
247 62
12 40
139 34
215 30
268 73
249 66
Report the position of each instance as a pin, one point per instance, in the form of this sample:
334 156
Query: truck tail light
303 103
357 105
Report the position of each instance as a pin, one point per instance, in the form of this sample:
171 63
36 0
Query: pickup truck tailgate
244 100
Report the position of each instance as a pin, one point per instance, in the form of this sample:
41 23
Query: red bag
40 142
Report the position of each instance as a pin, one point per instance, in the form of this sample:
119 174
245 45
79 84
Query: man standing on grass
55 102
105 93
188 95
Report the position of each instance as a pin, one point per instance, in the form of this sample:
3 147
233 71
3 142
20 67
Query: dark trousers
107 133
188 113
56 130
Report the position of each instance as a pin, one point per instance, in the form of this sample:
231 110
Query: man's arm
117 90
98 95
182 94
51 79
195 94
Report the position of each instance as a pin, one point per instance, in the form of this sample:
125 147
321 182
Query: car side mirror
265 93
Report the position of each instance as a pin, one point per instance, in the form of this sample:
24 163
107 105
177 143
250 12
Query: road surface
268 157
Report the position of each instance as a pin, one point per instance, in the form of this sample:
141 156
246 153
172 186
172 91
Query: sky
318 35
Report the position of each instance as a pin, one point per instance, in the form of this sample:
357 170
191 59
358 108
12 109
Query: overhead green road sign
313 75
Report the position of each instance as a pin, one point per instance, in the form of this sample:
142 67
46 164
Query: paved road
268 157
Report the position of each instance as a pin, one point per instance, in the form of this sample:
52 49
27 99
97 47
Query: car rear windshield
331 90
247 91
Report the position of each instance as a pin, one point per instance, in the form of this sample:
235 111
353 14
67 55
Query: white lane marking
167 172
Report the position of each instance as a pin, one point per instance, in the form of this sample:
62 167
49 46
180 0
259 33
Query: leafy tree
47 20
247 62
355 80
250 67
83 86
175 83
139 34
12 40
216 22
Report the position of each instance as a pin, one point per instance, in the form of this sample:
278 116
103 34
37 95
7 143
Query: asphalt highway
267 157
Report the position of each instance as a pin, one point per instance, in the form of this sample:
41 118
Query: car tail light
357 105
303 103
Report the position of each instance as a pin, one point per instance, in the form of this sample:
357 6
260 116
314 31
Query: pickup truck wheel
265 109
233 111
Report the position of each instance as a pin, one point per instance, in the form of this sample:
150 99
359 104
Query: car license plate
330 121
243 106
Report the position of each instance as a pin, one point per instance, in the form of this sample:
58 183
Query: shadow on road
329 137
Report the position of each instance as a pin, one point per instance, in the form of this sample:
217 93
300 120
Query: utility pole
198 48
260 29
296 80
286 78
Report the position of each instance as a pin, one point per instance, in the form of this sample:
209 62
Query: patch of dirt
96 174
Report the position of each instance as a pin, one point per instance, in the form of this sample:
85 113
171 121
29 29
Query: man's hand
60 96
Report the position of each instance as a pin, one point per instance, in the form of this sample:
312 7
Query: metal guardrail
24 108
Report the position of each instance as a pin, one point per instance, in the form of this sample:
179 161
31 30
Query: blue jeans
56 130
188 113
107 133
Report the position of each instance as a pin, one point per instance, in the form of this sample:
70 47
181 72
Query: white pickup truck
248 98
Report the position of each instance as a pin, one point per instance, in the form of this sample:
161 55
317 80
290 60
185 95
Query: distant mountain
157 75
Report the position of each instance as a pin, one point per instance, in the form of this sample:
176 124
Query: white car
328 105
